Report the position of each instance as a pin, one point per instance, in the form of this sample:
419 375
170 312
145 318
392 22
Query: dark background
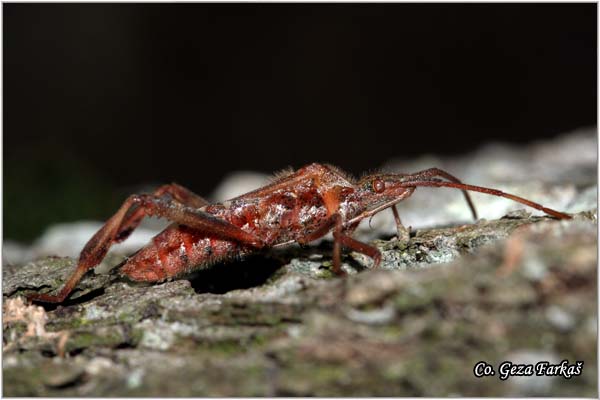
101 98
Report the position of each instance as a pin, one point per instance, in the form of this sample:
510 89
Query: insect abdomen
176 251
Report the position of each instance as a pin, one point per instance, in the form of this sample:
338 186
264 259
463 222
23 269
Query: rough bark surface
520 288
415 332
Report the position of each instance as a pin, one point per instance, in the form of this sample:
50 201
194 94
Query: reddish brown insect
298 206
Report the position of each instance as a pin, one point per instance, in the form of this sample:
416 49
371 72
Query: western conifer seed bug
298 206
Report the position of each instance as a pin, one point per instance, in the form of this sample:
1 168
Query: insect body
298 206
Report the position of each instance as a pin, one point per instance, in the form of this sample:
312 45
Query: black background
101 98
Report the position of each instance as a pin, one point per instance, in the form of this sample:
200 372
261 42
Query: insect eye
378 185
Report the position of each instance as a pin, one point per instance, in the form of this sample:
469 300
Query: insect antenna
481 189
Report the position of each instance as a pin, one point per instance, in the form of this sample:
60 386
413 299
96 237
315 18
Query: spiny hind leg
118 227
172 190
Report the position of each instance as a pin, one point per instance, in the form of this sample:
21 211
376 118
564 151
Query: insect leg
182 195
177 192
403 232
97 247
341 238
321 231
